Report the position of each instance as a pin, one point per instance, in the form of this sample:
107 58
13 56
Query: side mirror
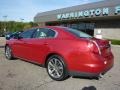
17 36
7 37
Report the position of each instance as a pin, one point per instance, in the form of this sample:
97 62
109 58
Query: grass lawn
114 42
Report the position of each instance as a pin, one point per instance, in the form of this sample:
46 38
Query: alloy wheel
55 68
8 52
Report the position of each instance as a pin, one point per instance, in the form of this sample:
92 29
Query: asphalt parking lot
21 75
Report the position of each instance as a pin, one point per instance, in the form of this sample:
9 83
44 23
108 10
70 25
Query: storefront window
85 27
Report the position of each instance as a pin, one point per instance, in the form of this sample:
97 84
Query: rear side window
44 33
51 33
27 34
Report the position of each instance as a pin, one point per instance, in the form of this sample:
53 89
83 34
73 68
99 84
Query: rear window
78 33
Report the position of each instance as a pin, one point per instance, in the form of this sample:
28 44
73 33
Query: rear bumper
94 69
89 74
83 74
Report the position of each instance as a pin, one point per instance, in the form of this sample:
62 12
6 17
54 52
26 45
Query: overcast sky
27 9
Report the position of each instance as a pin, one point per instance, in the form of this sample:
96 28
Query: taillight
94 47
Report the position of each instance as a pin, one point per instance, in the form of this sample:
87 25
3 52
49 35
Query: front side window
27 34
44 33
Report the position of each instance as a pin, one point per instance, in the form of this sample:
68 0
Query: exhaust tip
100 75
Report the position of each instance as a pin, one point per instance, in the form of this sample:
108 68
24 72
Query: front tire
56 68
8 53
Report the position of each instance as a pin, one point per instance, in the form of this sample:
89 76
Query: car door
40 44
22 46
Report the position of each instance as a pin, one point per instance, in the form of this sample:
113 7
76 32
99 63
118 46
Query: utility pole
5 23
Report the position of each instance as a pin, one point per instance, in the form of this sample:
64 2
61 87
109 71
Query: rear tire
8 53
56 68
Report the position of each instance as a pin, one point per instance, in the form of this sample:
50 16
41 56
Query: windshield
78 33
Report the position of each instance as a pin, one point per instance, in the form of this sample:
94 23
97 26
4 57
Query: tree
13 26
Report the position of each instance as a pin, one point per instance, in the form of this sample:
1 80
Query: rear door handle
45 43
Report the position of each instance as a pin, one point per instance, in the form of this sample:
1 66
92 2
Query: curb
115 45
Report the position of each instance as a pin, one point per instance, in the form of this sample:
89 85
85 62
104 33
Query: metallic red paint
79 57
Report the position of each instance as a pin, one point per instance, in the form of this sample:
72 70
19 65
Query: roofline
71 7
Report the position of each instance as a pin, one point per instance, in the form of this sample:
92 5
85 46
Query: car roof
52 27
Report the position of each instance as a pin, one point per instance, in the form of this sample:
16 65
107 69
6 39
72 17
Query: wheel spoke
58 75
55 61
60 68
50 63
51 71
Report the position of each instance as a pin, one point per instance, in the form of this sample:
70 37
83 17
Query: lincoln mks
62 51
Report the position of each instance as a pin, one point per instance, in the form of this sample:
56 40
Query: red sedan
63 51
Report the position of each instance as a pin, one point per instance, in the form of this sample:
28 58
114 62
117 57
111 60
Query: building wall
102 5
109 29
109 33
41 24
